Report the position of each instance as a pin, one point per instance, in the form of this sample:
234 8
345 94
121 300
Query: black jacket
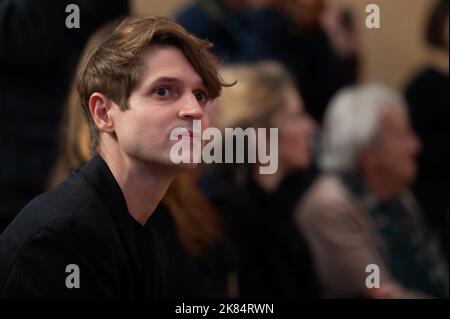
429 109
85 222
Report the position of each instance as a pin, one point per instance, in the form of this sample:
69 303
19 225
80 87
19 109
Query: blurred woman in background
257 209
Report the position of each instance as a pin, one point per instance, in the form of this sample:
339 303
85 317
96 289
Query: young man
90 237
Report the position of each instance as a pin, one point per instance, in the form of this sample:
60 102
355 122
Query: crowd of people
362 174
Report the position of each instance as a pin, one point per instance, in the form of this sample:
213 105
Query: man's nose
191 108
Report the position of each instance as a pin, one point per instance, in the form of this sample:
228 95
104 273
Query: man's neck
142 185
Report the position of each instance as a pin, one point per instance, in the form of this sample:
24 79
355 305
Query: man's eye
162 92
201 96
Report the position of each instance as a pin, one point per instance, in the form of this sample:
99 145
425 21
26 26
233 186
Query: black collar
99 174
131 232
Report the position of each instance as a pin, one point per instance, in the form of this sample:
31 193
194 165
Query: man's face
170 95
395 148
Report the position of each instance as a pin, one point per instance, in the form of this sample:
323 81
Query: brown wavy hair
114 67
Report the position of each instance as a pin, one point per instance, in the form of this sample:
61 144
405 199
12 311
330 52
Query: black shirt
428 100
85 222
193 277
273 259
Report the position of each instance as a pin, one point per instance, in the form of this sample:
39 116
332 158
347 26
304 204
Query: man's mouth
194 134
189 133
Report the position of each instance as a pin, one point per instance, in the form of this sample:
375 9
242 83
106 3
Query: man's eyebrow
168 79
161 80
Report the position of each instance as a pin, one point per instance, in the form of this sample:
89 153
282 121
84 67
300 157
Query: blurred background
308 67
398 45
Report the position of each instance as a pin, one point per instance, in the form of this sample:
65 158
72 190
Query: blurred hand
386 291
390 290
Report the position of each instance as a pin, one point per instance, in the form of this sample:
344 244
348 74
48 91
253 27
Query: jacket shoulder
40 267
73 198
68 213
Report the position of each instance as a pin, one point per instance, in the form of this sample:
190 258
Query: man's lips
194 134
189 133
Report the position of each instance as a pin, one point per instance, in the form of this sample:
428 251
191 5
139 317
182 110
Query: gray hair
351 122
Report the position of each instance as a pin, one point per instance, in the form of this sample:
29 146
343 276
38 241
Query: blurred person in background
38 56
428 99
258 209
315 40
360 212
222 22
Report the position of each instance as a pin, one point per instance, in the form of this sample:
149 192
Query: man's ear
100 107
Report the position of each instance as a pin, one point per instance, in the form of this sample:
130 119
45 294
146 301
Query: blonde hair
258 94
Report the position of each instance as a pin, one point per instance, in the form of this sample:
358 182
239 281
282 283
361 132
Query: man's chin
169 165
190 165
185 166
